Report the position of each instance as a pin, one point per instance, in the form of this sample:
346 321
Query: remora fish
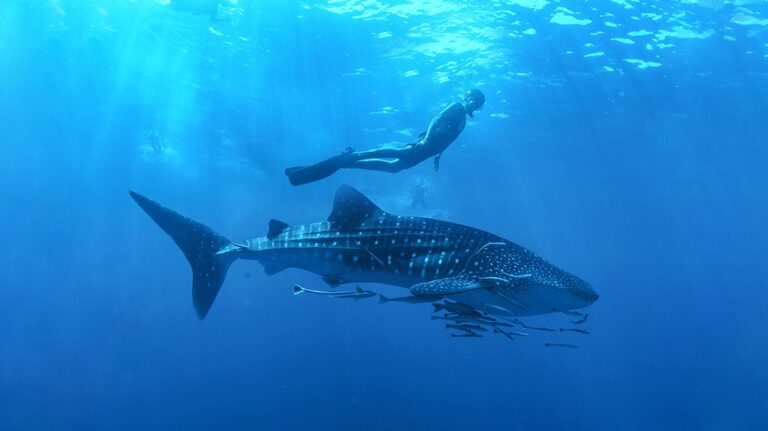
358 293
466 327
580 331
582 320
456 307
568 346
362 243
467 334
509 334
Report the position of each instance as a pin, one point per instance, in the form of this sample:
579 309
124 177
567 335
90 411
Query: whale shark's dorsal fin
276 227
351 208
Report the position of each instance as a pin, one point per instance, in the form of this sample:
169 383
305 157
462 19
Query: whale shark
435 260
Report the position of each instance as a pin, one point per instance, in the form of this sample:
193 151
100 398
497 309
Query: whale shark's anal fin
351 208
333 280
446 286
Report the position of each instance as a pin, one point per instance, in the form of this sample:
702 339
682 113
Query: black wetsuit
442 131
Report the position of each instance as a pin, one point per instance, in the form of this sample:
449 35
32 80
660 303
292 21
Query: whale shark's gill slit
510 299
479 250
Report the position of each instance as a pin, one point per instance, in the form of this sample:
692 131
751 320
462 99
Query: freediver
442 131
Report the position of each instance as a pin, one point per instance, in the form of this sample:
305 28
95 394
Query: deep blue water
624 141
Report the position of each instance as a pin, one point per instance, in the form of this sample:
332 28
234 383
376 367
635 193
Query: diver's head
473 100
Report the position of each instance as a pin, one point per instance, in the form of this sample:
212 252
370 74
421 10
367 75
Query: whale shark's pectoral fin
351 208
446 286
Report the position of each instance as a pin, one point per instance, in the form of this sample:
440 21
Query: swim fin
300 175
289 171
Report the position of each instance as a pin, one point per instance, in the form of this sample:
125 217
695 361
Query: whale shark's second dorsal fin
276 227
351 208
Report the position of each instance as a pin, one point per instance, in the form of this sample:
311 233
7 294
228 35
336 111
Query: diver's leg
299 175
369 159
392 166
382 153
389 159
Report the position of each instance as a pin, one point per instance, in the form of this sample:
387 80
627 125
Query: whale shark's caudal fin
200 244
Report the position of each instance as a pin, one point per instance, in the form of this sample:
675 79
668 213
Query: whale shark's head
555 290
535 286
521 283
575 293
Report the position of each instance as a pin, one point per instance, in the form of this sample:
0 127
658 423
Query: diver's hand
437 162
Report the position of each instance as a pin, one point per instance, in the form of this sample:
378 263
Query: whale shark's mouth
529 302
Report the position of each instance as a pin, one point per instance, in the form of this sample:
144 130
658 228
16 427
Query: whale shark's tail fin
200 245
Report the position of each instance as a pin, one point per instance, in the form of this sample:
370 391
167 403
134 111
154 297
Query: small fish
468 334
519 334
580 331
570 346
504 324
486 319
580 321
498 309
355 294
568 312
466 327
457 319
456 307
539 328
509 334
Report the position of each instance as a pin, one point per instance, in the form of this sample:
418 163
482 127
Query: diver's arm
437 161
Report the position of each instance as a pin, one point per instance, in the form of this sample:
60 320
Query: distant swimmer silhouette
442 131
197 7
